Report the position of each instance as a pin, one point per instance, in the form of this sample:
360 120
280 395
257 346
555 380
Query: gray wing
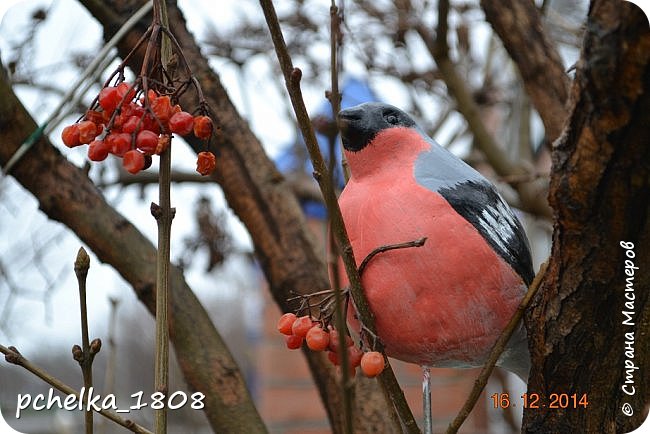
477 201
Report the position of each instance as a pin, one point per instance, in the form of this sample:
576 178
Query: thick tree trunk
67 195
590 325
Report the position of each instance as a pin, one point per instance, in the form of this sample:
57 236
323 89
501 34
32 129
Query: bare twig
496 351
334 97
13 356
292 78
86 354
417 243
325 296
163 214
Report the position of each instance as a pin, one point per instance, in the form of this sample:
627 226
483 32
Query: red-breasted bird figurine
443 304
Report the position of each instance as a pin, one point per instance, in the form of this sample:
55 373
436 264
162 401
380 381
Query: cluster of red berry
304 329
132 128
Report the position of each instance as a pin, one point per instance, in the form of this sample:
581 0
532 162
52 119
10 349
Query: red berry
123 89
354 356
205 164
87 131
94 116
132 109
151 124
293 342
285 322
147 141
97 118
133 161
109 98
181 123
372 363
334 341
162 108
131 124
70 136
202 127
120 143
334 358
301 326
98 150
317 339
99 128
152 95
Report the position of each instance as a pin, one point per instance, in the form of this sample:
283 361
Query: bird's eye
391 119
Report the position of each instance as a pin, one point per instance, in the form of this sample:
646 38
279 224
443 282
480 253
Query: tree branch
532 199
14 357
86 354
519 25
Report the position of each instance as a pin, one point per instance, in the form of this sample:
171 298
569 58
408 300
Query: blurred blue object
295 159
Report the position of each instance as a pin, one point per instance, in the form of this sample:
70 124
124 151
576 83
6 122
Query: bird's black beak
351 125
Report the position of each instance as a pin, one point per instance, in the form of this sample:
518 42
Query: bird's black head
360 124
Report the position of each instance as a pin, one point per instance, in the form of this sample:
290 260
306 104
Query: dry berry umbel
320 337
122 122
142 116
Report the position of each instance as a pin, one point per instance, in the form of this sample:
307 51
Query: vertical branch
292 78
334 97
85 354
163 214
339 307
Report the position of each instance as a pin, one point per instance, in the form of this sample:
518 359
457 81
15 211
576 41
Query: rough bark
67 195
600 191
519 26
